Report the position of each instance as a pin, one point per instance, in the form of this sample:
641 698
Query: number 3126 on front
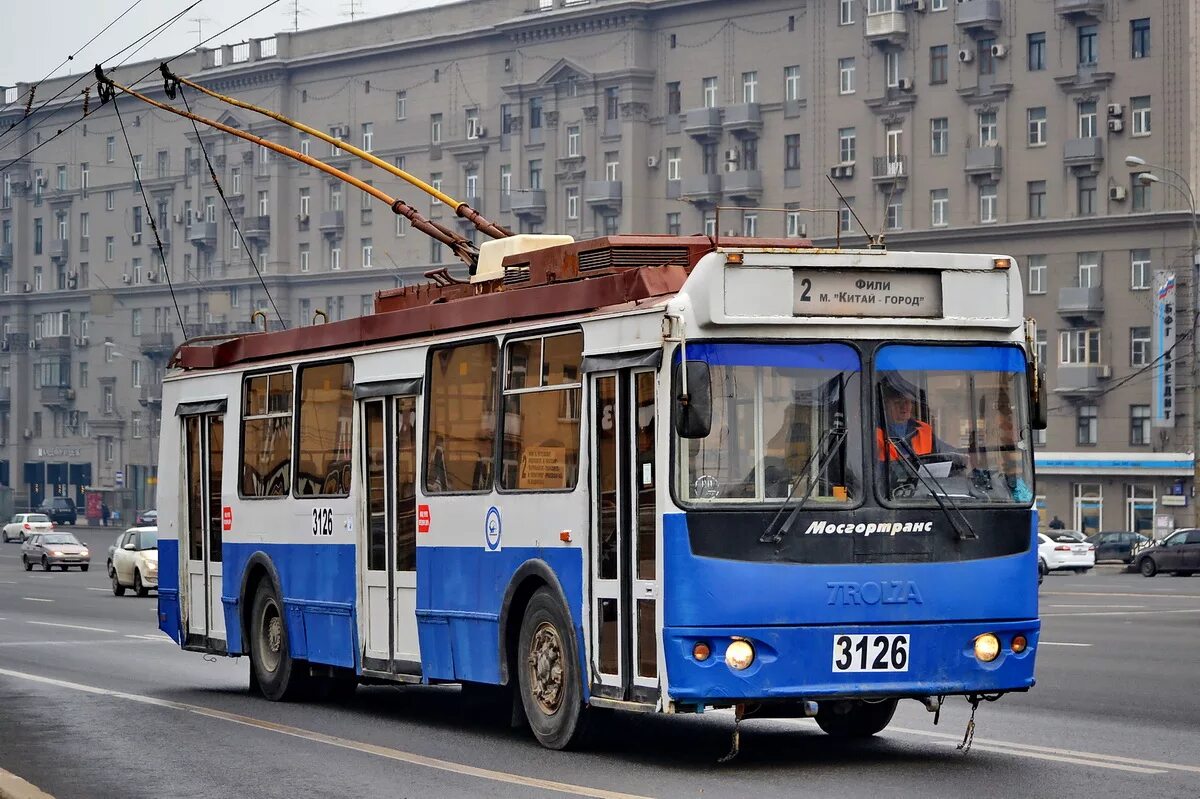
870 653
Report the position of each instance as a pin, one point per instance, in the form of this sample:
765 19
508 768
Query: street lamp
1147 178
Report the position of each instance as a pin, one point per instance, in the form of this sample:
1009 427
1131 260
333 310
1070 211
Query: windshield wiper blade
838 431
940 496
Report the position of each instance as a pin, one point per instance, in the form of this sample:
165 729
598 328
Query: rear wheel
548 672
1148 567
1043 569
855 719
278 675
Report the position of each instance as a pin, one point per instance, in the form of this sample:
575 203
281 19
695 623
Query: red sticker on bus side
227 518
422 518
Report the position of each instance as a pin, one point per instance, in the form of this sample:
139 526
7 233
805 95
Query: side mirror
130 547
1036 374
692 411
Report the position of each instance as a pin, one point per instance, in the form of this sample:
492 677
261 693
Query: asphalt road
94 702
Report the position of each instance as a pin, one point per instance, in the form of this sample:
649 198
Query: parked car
25 524
146 518
1060 550
1117 546
133 561
1179 552
55 549
61 510
1073 534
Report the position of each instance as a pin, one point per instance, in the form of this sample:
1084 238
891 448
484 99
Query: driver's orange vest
921 442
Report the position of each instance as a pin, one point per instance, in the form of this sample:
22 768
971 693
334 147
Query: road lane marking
88 642
1087 607
335 741
1126 612
160 637
1058 643
105 590
72 626
1006 750
8 582
36 599
1122 595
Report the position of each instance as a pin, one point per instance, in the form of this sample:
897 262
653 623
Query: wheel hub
271 642
545 664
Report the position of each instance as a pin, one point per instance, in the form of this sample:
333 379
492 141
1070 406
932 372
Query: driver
899 401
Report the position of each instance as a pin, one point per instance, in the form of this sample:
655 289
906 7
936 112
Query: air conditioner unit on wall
1116 193
905 84
731 154
1115 109
652 161
125 278
1116 125
999 50
842 171
965 56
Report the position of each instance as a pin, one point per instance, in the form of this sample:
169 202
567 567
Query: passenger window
542 394
326 411
461 433
266 435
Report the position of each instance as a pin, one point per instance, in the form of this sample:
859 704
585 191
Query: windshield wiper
838 431
940 496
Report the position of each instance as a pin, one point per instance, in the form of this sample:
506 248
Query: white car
1060 550
26 524
133 561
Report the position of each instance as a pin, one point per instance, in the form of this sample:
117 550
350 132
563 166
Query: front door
204 440
624 590
388 539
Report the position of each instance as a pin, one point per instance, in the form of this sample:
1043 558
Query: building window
791 83
846 12
749 225
1140 192
987 62
1037 274
1036 119
612 165
435 128
401 105
795 228
1089 269
939 57
1140 506
847 144
1089 44
673 225
1087 120
612 102
939 207
749 87
335 256
1140 109
368 252
1139 38
987 129
939 136
1035 44
1139 270
709 91
674 98
891 68
845 217
1037 199
535 112
708 156
987 203
304 255
368 136
573 138
791 151
1079 347
110 149
1139 346
1087 425
1139 425
474 129
535 174
1088 506
845 76
572 203
506 180
894 213
1087 195
674 164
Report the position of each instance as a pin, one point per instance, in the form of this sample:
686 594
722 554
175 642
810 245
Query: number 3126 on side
322 521
870 653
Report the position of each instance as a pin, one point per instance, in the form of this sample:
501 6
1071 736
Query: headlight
739 655
56 554
85 553
987 647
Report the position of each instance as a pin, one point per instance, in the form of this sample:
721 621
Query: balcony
887 28
55 343
1081 379
160 344
701 188
6 253
978 16
889 168
5 396
703 124
257 228
59 249
475 203
984 160
203 234
332 223
744 118
1086 154
57 396
742 184
151 395
602 193
1080 303
530 203
1076 9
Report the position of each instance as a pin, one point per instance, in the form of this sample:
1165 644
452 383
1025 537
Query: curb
13 787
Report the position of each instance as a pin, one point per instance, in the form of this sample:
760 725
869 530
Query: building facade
985 125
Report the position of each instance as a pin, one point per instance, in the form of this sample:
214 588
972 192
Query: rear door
1191 553
204 443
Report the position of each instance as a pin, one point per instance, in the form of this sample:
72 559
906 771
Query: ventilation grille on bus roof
516 273
625 257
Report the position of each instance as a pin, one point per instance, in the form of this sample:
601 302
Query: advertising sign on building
1163 396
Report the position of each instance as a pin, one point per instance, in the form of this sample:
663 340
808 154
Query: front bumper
69 560
797 662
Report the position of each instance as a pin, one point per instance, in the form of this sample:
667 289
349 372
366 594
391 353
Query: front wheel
45 564
140 589
1082 570
1148 567
855 719
279 677
28 565
83 568
548 673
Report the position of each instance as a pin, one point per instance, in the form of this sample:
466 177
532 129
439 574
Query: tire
279 677
1148 567
118 589
45 564
1043 569
28 565
1081 570
855 719
83 568
109 568
138 588
548 673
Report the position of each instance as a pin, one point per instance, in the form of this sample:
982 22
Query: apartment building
991 125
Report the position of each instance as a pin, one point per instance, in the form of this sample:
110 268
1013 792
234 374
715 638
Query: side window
541 413
460 435
325 413
266 435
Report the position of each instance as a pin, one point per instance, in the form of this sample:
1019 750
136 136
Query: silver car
55 549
